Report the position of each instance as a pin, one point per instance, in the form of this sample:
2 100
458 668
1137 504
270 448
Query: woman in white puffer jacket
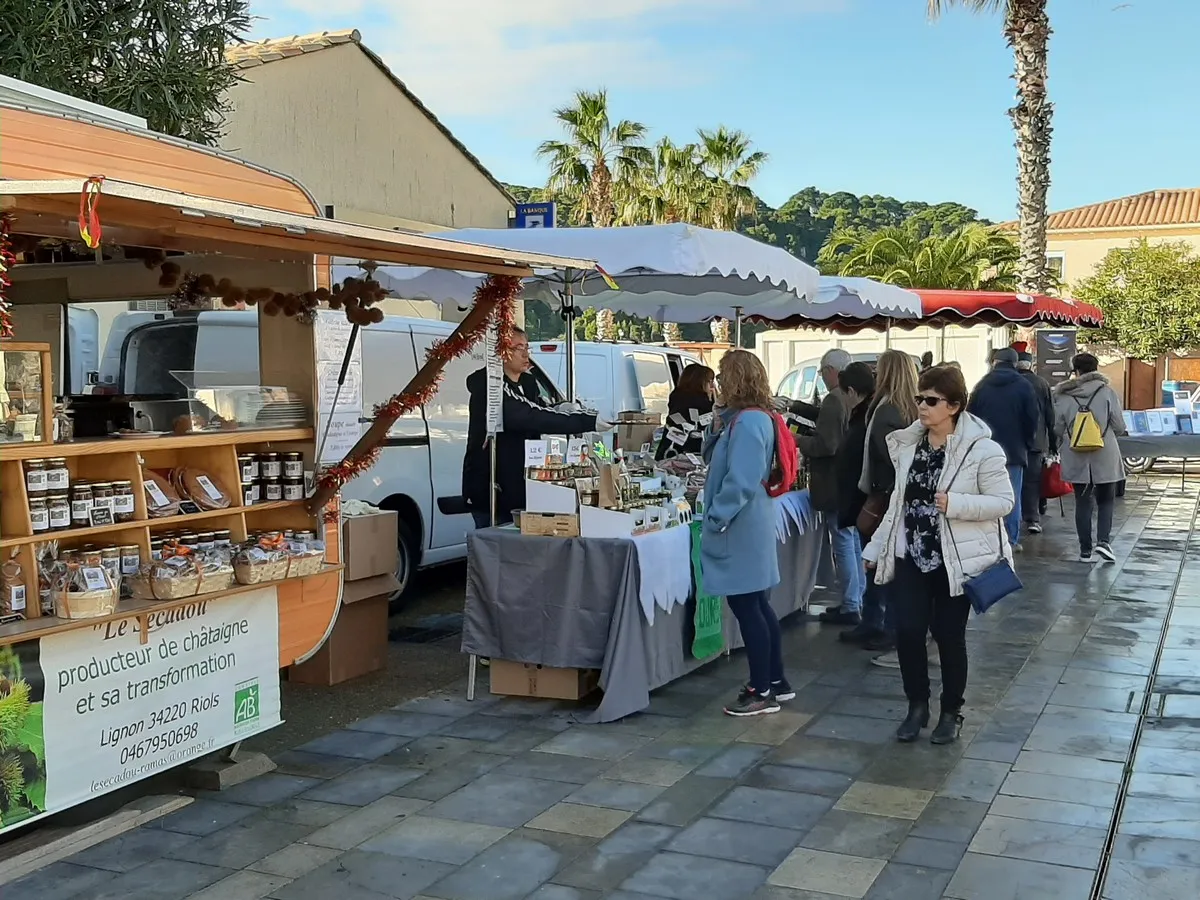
942 528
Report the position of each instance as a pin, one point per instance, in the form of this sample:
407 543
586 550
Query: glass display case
26 393
236 400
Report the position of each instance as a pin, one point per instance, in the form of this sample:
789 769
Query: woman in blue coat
737 546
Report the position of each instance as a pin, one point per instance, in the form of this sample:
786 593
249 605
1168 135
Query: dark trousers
764 641
1099 498
923 605
1031 488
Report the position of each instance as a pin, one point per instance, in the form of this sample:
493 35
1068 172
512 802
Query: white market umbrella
667 273
864 298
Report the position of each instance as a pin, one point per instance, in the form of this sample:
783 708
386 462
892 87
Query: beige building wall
1082 252
335 122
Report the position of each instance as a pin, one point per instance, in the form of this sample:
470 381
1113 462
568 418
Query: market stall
623 607
165 556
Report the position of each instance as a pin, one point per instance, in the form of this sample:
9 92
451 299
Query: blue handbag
995 582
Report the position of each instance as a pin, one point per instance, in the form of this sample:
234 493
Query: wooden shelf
74 534
24 450
30 629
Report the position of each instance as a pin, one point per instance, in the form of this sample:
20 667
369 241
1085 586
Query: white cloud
503 58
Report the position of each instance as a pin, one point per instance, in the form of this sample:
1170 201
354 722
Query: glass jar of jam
39 515
272 490
58 476
248 465
190 540
131 559
102 495
156 548
110 558
81 504
122 501
293 489
222 537
250 494
205 540
58 508
35 477
293 465
269 465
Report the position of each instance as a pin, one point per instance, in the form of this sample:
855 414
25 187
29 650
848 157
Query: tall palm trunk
672 333
1027 28
606 325
604 211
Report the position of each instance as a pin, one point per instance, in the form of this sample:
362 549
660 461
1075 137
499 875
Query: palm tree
1027 30
730 165
673 188
598 161
973 257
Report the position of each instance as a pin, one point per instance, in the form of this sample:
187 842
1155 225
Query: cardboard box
550 524
635 429
359 640
369 544
516 679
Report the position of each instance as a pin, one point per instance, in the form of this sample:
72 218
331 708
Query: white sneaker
887 660
1035 527
1086 558
1104 551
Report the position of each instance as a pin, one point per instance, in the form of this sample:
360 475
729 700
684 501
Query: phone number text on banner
92 709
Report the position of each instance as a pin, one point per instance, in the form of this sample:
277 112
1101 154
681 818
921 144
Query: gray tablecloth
574 603
1178 446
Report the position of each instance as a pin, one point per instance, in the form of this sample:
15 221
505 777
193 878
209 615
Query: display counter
583 603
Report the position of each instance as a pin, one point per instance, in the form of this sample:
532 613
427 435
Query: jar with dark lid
269 465
81 504
102 495
190 540
205 540
250 494
58 476
58 507
307 537
293 489
248 464
123 501
156 548
222 537
272 490
293 465
131 559
35 477
39 515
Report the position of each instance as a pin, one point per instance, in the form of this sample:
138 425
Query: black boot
918 718
948 727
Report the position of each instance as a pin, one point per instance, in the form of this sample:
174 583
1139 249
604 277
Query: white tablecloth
664 568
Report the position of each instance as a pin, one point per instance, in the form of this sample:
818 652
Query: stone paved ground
505 799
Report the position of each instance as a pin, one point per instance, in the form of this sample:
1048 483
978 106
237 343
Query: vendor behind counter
526 418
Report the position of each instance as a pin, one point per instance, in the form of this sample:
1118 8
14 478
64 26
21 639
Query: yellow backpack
1086 434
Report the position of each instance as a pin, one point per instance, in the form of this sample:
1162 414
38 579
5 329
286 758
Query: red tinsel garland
504 289
7 261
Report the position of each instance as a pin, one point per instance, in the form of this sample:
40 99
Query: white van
420 468
614 377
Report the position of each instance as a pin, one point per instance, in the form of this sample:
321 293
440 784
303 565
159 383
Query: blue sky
860 95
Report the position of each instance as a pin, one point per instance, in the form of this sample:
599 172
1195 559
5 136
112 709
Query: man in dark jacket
821 450
1006 402
1044 442
526 417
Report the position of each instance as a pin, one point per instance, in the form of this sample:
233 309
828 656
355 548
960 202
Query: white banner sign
495 383
102 708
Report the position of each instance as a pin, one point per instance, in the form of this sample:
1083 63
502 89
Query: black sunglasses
929 400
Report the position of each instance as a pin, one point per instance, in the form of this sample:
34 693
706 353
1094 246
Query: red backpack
785 462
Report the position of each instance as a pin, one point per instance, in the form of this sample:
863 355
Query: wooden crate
549 524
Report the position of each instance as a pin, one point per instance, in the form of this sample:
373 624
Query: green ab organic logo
246 706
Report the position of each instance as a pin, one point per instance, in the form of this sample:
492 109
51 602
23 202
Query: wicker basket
304 565
151 588
259 573
220 580
85 604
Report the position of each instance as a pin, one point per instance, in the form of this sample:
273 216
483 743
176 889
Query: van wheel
1139 465
406 560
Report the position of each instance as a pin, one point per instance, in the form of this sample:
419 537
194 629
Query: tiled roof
257 53
1153 208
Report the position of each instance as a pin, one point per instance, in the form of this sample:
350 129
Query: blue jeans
1016 475
877 610
847 556
762 636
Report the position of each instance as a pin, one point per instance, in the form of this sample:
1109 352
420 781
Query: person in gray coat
1094 474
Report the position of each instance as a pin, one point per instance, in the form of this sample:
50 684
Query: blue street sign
535 215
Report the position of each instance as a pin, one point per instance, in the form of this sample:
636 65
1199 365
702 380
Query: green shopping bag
709 639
